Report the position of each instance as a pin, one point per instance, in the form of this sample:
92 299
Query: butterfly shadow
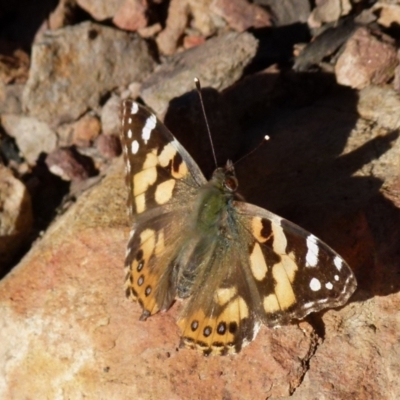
307 172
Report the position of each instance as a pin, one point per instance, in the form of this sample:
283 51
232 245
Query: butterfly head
225 179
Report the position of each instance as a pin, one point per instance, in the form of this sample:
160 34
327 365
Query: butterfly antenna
264 139
198 88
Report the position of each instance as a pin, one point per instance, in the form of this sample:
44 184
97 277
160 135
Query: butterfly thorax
212 220
214 200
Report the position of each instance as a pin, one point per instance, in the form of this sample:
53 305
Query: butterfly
237 265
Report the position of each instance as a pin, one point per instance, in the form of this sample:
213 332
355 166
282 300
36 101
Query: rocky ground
323 82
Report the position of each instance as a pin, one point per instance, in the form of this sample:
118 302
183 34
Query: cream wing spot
164 191
257 229
151 159
180 172
223 295
271 304
160 245
283 289
143 179
147 243
150 124
129 133
167 155
280 241
257 263
290 267
140 202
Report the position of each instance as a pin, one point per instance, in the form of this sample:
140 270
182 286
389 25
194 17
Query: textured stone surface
67 329
366 60
15 215
218 64
59 90
32 136
131 15
100 9
241 14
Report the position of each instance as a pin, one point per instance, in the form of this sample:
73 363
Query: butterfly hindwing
284 274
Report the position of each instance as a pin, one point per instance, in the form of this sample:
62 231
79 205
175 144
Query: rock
178 15
109 146
62 15
14 67
69 165
287 12
365 60
325 44
218 63
11 98
329 11
150 31
132 15
242 15
380 104
389 14
86 130
60 91
193 41
110 119
202 20
179 12
100 9
32 136
15 216
75 316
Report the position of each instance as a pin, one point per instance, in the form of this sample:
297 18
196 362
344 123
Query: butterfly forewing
163 181
157 166
295 272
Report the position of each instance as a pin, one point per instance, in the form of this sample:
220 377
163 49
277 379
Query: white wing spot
336 277
129 120
128 167
315 284
150 124
329 286
312 253
134 108
129 133
338 263
134 146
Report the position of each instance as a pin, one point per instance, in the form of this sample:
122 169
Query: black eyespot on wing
139 255
207 331
221 329
140 266
194 325
233 327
